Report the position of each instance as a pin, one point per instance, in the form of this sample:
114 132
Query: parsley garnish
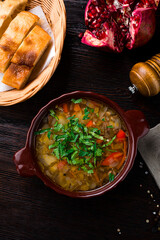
53 114
111 177
110 126
76 100
77 143
42 131
109 143
86 113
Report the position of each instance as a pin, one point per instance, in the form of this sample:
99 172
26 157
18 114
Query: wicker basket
56 16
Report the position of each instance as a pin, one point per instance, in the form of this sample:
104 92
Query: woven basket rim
56 16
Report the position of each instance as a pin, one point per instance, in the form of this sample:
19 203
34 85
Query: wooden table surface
28 209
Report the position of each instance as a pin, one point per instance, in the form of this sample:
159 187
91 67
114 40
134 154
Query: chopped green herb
97 136
87 170
91 165
111 150
83 153
56 152
53 114
76 143
103 119
49 134
76 100
111 177
86 113
99 152
85 117
42 131
110 126
90 171
109 143
53 145
58 127
71 117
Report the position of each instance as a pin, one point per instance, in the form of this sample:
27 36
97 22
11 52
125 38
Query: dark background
28 209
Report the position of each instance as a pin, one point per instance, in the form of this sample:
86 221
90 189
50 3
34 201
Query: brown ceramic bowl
134 120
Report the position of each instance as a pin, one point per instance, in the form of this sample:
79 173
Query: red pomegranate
114 24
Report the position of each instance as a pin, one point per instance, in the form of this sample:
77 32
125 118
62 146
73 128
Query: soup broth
81 145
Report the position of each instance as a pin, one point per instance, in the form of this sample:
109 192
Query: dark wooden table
28 209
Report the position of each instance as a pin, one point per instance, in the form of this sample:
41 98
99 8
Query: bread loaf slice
8 10
26 57
14 35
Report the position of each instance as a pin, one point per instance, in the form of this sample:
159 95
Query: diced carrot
124 155
121 162
77 108
65 107
121 135
125 147
61 164
112 158
99 141
89 124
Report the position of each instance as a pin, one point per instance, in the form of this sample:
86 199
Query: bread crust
8 10
26 57
14 35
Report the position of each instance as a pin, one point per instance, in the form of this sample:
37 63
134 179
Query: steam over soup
81 145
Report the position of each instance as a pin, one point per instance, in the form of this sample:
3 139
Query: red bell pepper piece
112 158
89 124
121 135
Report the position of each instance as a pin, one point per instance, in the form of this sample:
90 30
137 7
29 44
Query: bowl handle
24 163
138 123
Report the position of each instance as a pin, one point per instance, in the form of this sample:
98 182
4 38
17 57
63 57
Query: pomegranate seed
93 11
95 2
97 9
94 22
102 16
128 36
117 16
97 34
97 15
122 26
105 12
99 20
100 35
125 2
101 8
97 25
103 34
90 15
106 25
102 1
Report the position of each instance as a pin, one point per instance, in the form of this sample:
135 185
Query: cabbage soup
81 144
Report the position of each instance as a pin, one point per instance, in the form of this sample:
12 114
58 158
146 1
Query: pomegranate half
115 24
